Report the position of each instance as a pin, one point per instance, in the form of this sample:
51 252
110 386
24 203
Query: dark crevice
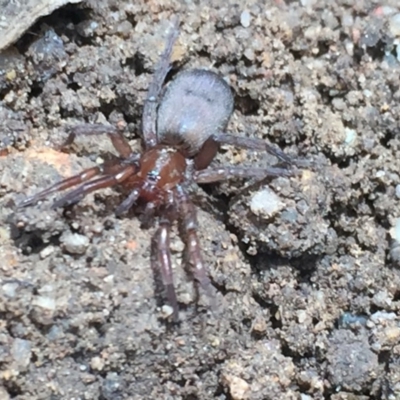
73 85
389 135
136 63
60 20
36 90
221 391
246 105
13 389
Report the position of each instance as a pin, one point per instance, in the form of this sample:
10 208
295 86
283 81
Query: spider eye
153 176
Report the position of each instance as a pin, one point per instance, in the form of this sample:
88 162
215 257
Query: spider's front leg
100 183
149 116
117 138
111 173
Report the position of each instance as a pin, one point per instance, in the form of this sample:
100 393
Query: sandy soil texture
308 284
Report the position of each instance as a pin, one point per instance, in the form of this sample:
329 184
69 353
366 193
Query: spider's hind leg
161 263
252 144
193 255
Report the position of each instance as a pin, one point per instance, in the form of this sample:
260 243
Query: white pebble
45 302
347 19
74 243
265 203
166 311
351 136
307 3
10 289
394 25
398 191
46 252
245 19
21 352
397 230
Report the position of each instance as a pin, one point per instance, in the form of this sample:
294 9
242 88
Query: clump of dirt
308 280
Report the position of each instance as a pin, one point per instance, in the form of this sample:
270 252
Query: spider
183 125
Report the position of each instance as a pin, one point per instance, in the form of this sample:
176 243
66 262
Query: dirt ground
308 283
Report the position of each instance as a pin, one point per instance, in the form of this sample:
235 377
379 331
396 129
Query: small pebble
21 352
46 252
87 28
10 289
245 19
48 54
97 363
45 302
394 25
307 3
265 203
351 136
74 243
166 311
124 29
398 191
347 19
238 387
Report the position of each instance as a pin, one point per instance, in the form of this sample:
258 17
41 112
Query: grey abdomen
195 105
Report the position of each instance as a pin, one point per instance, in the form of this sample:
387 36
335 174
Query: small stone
45 302
392 334
265 203
125 28
74 243
249 54
97 363
398 191
46 252
166 311
245 19
394 25
87 28
259 325
238 387
21 352
350 137
347 19
395 230
307 3
10 289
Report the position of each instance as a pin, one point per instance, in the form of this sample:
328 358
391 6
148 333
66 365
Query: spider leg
128 202
161 261
219 174
189 228
117 138
99 183
150 105
251 144
62 185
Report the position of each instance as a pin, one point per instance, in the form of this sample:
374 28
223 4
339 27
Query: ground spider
182 128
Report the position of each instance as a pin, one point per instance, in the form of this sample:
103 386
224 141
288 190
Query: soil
308 284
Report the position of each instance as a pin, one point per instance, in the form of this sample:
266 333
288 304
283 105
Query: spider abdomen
196 104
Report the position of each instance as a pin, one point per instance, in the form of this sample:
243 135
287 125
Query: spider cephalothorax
182 128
